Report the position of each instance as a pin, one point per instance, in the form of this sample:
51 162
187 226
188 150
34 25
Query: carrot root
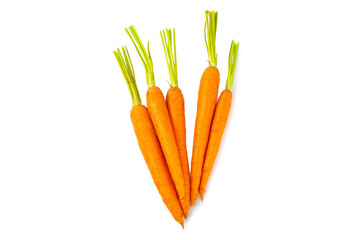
208 91
176 107
162 123
218 125
155 160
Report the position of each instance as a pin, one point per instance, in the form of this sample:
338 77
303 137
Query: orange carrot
176 107
148 141
207 95
155 160
160 116
219 121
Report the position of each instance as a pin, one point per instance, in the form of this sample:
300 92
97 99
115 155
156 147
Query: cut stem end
169 45
144 54
210 36
234 48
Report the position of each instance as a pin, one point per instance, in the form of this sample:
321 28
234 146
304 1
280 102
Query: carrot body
208 91
217 129
162 123
155 160
176 107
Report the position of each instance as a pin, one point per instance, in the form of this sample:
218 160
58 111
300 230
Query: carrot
160 116
207 95
176 107
219 121
148 141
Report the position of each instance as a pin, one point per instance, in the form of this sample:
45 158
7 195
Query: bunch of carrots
160 127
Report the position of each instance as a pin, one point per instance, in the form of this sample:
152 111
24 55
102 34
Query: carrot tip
182 224
202 195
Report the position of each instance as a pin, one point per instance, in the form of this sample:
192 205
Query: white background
288 168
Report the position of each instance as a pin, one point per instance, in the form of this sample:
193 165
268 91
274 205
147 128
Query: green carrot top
210 36
234 48
169 46
128 73
144 55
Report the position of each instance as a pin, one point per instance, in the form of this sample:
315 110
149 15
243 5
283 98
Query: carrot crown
127 70
170 54
144 55
234 48
210 36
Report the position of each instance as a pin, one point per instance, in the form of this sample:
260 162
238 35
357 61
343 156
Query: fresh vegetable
160 116
207 95
176 107
219 121
148 141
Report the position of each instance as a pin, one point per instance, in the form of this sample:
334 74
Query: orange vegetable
155 160
148 141
219 121
160 117
207 95
176 107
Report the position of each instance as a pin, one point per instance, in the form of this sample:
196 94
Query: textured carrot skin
162 123
208 91
176 107
155 160
218 125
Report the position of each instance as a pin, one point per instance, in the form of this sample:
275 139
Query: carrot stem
127 70
169 45
234 48
210 36
144 54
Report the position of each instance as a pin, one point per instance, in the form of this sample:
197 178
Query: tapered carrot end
202 193
193 199
187 209
180 220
